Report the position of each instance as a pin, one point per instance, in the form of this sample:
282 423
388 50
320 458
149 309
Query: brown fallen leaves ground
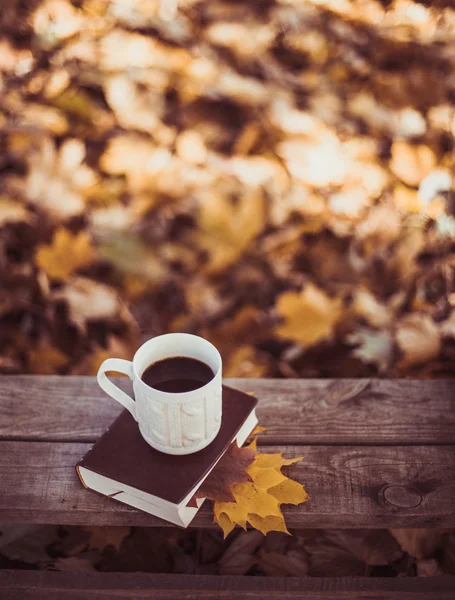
312 552
274 175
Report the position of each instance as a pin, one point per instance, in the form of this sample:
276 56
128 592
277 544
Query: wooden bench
378 454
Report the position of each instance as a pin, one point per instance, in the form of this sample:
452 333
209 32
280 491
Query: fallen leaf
244 39
445 226
411 163
266 478
382 225
239 557
258 501
293 563
373 547
266 461
133 107
243 362
428 567
54 21
224 521
230 470
191 148
309 316
67 253
269 523
12 212
59 181
406 199
289 492
258 429
372 347
46 360
366 305
320 162
89 300
31 545
228 229
419 542
101 537
418 339
448 326
120 348
230 333
437 181
349 552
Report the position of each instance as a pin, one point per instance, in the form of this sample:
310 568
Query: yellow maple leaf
225 523
258 429
265 461
265 478
67 253
289 492
271 523
258 502
253 445
309 316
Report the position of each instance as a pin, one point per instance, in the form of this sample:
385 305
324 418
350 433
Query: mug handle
121 366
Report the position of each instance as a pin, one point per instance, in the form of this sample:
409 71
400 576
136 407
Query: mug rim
176 396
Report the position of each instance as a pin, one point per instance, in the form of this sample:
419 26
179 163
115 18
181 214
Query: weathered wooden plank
349 486
31 585
356 411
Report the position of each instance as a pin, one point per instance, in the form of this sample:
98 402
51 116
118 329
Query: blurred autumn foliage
274 175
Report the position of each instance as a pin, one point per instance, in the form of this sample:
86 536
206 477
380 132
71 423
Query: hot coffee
177 374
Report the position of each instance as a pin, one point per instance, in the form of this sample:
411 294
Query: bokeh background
275 175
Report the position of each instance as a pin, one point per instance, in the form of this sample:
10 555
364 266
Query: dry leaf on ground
258 502
372 347
349 552
418 339
100 537
419 542
411 163
88 300
293 563
31 545
230 470
309 316
240 556
428 567
67 253
46 360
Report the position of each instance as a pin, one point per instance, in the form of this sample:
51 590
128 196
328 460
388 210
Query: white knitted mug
174 423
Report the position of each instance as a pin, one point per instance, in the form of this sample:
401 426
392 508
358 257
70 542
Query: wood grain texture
33 585
347 411
349 487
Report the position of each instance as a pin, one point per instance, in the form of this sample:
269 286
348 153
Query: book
123 466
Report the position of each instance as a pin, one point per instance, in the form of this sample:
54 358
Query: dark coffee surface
177 374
